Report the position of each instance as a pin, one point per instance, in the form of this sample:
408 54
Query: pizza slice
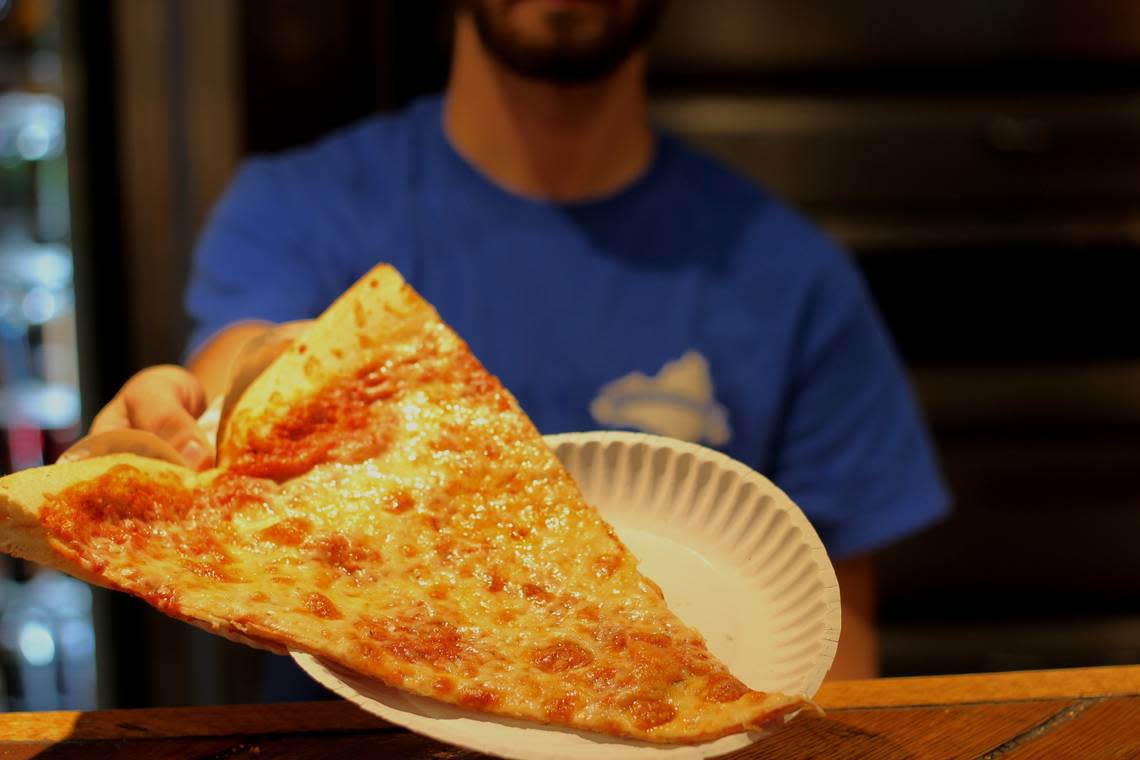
381 501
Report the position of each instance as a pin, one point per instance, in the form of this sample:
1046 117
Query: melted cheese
407 521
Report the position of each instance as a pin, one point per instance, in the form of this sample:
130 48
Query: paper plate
735 557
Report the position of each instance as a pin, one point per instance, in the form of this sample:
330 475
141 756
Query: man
609 275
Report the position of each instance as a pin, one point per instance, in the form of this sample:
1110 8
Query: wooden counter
1084 713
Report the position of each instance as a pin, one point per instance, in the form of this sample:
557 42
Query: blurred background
980 160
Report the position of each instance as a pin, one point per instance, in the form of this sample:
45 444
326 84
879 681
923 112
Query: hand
165 400
257 354
156 413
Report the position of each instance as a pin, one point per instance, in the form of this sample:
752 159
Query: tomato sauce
349 420
346 420
122 506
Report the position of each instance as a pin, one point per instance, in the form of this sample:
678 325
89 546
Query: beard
564 46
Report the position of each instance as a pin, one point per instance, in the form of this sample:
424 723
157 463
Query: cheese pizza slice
381 501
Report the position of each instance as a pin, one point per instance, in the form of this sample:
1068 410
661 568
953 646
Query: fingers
166 401
111 417
123 441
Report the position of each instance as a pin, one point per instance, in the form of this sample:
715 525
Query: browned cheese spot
605 565
562 709
400 501
649 713
560 656
722 687
291 531
496 582
321 606
475 698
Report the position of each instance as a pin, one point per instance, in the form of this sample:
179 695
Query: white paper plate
735 557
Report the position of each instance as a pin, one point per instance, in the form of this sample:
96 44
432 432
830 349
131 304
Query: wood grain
1086 713
155 723
404 746
988 687
1108 729
937 733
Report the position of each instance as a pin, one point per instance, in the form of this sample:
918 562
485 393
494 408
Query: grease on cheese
409 522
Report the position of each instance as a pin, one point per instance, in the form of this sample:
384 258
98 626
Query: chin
564 40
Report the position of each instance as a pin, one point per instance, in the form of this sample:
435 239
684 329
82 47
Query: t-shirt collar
430 118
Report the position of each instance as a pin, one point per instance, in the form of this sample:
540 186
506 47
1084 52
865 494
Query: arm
212 364
858 655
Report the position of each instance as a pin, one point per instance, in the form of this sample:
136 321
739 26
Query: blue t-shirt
691 303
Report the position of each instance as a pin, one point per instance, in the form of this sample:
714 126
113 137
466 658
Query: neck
543 140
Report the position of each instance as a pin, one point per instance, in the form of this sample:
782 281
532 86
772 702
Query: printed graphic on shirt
678 401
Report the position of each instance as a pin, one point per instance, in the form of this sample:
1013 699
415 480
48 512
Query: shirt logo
678 402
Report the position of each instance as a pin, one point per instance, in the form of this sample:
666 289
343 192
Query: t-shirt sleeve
854 452
254 259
